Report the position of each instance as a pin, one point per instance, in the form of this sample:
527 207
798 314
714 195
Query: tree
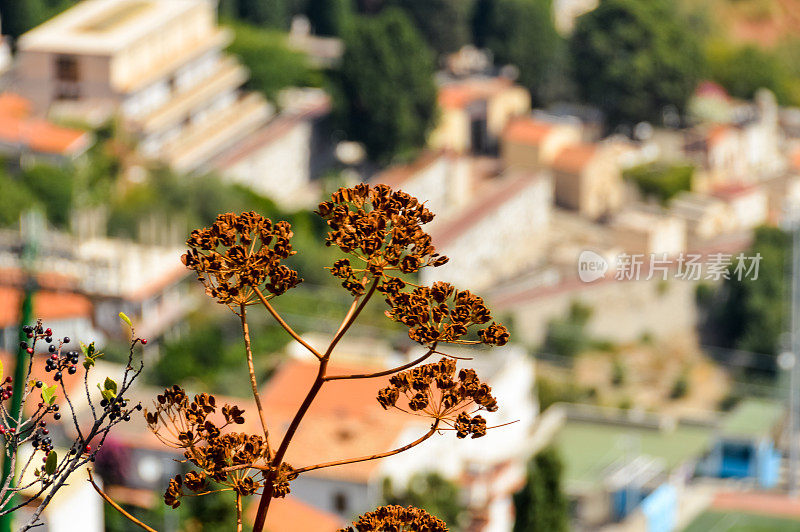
330 17
661 180
634 58
443 23
541 505
386 95
20 16
271 13
522 33
432 493
743 70
751 314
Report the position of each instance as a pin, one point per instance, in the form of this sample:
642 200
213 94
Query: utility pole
29 230
794 393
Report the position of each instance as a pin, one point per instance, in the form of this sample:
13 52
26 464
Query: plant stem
251 369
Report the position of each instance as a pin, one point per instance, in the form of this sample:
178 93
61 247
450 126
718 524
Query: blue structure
660 509
745 445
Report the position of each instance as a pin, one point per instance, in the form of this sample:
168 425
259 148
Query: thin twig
119 508
283 323
384 372
253 382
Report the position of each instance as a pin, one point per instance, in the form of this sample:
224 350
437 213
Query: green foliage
541 504
273 65
47 187
16 197
742 70
567 336
551 391
330 17
618 373
522 33
751 314
432 493
680 387
268 13
385 93
20 16
443 23
661 180
633 58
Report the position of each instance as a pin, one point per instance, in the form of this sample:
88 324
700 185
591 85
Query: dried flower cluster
443 314
382 230
216 454
397 519
239 254
434 391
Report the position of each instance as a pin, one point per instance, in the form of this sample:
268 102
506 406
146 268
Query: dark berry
66 339
56 416
72 370
52 348
39 384
23 345
27 329
139 407
127 417
48 339
57 376
9 379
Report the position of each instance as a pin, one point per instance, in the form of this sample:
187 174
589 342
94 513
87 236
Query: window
340 502
67 68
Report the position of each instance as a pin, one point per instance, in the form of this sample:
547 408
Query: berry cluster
433 390
397 519
238 254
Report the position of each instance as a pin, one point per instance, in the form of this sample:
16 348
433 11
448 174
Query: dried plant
26 437
239 260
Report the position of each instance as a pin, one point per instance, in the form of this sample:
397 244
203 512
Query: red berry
29 350
30 335
88 449
48 332
144 342
9 379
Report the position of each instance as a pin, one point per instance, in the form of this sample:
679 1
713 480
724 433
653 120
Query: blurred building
474 112
27 138
158 64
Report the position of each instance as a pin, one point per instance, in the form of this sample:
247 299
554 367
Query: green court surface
741 522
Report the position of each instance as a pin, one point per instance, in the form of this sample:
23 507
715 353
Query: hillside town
642 267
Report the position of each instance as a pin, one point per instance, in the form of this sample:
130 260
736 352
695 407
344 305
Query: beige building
474 112
158 64
639 231
706 216
588 179
531 143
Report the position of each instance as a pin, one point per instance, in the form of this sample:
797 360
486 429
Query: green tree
522 33
386 95
330 17
432 493
19 16
271 13
634 58
567 336
273 65
660 180
53 187
751 314
445 24
742 70
541 505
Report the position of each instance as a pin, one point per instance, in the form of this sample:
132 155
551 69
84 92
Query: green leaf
88 363
107 393
52 462
49 394
88 350
1 370
126 319
109 384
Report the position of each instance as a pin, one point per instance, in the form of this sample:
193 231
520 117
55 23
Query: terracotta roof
18 127
344 421
733 190
491 198
527 131
460 94
292 514
574 158
717 133
46 305
795 158
397 175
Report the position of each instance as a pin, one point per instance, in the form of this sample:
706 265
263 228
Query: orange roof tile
18 127
292 514
344 421
717 133
46 305
574 158
527 131
795 158
733 190
459 95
